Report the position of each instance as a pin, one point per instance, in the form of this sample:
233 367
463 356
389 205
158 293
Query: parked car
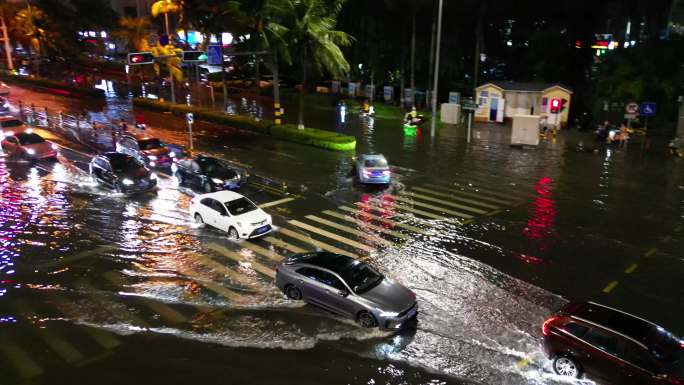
373 169
611 346
148 150
231 212
122 173
347 287
207 173
28 145
10 123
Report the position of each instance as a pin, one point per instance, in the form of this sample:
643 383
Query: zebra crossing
234 272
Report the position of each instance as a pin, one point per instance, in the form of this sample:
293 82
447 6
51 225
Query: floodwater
107 288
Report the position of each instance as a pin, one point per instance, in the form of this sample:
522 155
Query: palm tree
133 31
31 24
314 41
166 7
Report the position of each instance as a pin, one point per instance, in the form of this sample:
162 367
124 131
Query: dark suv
611 346
122 173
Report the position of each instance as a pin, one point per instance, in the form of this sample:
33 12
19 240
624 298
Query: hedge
311 136
49 83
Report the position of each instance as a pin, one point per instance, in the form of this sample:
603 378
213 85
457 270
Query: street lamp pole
8 47
436 81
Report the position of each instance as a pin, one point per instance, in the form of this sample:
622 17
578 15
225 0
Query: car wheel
233 234
292 292
198 219
367 320
207 187
566 366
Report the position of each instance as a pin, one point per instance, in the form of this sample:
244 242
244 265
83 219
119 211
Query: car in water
28 145
347 287
373 169
122 173
611 346
207 173
231 212
149 150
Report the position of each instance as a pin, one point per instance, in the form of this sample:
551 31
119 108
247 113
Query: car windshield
208 164
361 277
25 138
375 163
150 144
240 206
11 123
124 163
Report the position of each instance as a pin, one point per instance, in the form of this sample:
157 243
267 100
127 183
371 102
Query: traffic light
555 105
194 56
135 58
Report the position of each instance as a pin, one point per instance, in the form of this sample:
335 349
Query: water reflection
540 225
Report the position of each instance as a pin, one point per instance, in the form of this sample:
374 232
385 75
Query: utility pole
413 57
436 82
8 47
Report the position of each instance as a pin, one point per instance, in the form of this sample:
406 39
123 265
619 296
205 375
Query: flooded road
110 288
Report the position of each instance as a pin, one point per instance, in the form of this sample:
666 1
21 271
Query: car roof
331 261
222 196
616 320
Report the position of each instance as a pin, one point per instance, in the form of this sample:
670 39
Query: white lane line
458 196
168 313
362 212
454 202
272 255
478 193
406 208
20 359
282 244
370 237
438 208
333 236
363 224
316 244
224 270
503 191
95 294
103 338
213 286
242 261
73 258
275 203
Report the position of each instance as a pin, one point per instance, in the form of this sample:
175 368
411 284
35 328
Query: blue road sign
214 54
647 109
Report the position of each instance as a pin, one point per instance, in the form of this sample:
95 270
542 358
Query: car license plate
262 229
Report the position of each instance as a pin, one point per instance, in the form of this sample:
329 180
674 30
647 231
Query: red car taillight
547 324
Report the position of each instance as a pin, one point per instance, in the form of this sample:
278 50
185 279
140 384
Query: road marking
20 359
73 258
398 207
371 237
83 154
270 189
270 254
457 195
452 203
489 195
631 268
100 298
486 182
165 311
315 243
275 203
330 235
363 224
522 363
256 266
383 220
283 245
103 338
492 213
437 208
222 269
213 286
650 252
610 287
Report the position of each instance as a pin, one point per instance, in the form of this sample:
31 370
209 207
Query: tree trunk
478 45
301 93
166 21
413 57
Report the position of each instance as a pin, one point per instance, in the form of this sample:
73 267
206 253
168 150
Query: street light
436 82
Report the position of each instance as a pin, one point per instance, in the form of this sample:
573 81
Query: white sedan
232 213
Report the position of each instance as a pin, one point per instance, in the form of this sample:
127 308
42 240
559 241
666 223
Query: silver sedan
347 287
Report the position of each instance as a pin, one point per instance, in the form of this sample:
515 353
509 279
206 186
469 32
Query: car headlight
54 146
127 182
217 180
153 164
389 314
151 157
31 151
269 218
172 154
153 176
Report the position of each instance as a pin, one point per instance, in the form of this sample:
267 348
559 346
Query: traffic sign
647 109
214 54
194 56
190 118
632 108
469 105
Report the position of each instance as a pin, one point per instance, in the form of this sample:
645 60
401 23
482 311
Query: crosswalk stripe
503 190
20 359
333 236
437 208
349 230
270 254
361 223
403 208
216 288
93 292
82 255
168 313
275 203
315 243
103 338
256 266
222 269
270 189
451 200
383 220
283 245
480 194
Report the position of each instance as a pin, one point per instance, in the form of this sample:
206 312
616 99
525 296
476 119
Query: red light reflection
543 216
